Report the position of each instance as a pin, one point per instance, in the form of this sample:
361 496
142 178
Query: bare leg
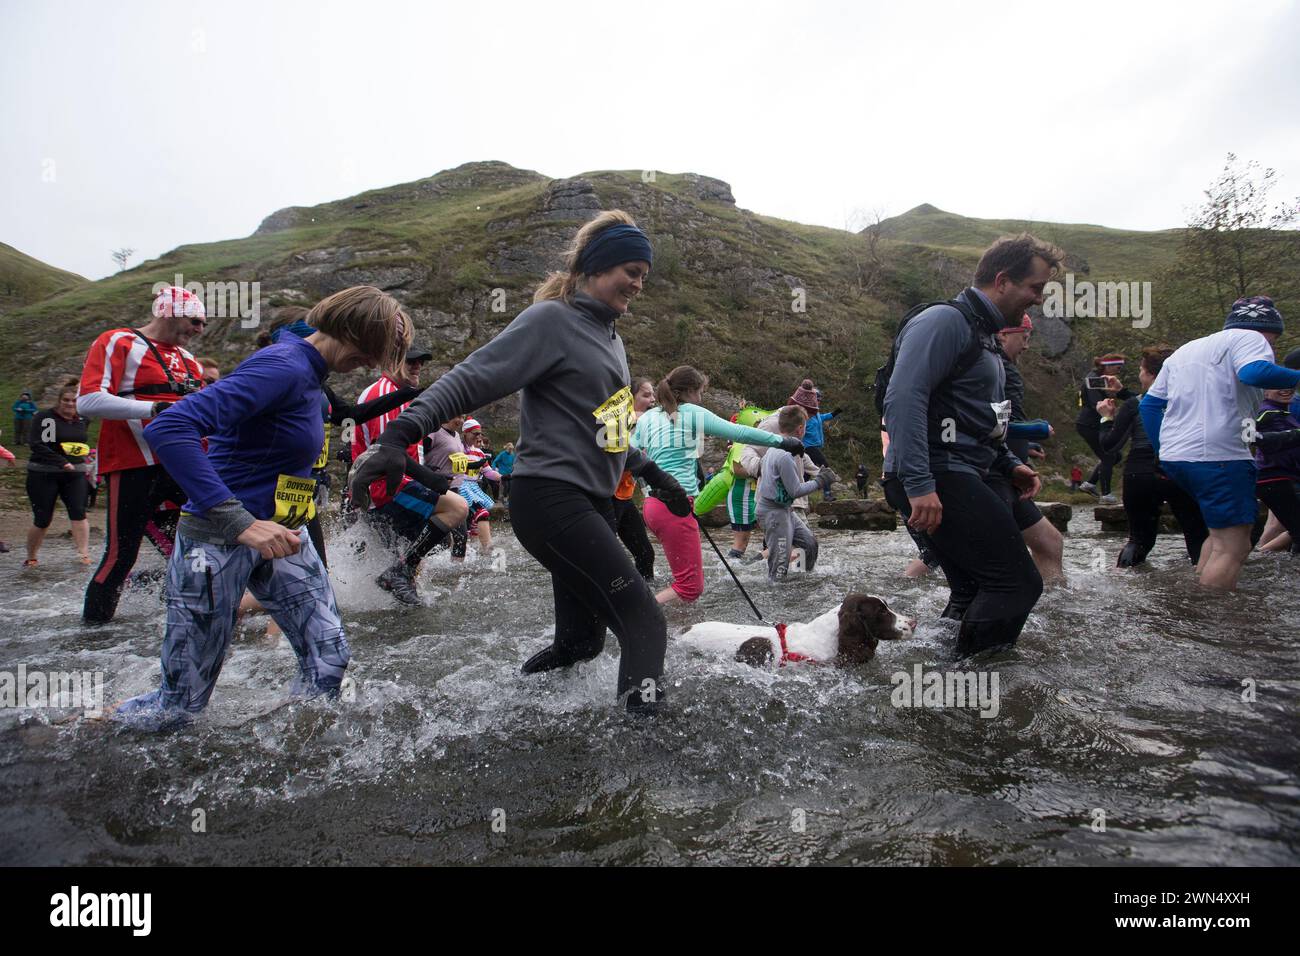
35 537
1047 548
1272 528
81 538
485 536
740 540
916 568
668 596
1231 546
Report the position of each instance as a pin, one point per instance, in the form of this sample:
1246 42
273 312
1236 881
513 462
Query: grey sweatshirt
575 404
971 412
780 482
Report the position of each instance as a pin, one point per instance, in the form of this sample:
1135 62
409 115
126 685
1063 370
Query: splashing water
1121 734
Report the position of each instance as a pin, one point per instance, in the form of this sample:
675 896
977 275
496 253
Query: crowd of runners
227 474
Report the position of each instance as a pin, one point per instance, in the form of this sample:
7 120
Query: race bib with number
1002 412
324 458
295 501
616 417
459 463
75 449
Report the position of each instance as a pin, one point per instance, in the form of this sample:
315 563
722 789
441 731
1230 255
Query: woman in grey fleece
779 484
564 355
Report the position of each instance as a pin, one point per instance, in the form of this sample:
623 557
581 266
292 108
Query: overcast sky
150 125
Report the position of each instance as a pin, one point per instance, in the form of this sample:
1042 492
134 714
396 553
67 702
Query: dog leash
787 656
752 605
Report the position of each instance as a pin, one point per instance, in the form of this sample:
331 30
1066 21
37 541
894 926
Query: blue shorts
480 504
1225 490
410 509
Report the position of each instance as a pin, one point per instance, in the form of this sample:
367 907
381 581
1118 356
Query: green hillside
757 303
24 280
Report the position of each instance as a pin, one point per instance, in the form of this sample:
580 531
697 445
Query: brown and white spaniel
845 636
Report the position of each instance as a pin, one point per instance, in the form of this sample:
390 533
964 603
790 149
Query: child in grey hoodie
780 483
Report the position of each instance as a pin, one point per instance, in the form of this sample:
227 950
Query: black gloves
667 489
1278 441
793 445
836 412
377 461
827 478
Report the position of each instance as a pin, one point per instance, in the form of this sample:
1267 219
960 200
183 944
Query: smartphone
1096 382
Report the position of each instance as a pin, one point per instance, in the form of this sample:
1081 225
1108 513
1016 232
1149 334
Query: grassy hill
757 303
24 280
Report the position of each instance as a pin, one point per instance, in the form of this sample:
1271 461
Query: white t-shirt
1208 404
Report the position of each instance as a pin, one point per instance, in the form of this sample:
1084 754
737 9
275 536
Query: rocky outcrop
855 514
568 200
710 189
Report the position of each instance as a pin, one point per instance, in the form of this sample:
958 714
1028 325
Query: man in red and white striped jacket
415 513
129 376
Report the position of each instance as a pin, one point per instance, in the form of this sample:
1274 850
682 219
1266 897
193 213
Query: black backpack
965 361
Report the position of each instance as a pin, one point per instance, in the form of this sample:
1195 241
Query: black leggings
1281 498
44 488
1101 472
817 456
1143 496
594 581
631 531
134 495
990 573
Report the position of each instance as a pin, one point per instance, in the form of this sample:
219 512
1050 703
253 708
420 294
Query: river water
1121 734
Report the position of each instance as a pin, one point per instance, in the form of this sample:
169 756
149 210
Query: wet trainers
399 580
1090 488
1108 500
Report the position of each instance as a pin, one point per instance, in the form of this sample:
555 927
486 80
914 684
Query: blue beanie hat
1255 312
612 246
299 328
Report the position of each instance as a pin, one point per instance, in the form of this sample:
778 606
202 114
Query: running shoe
1108 500
1090 488
30 563
399 580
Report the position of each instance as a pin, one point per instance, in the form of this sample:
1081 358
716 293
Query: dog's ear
756 652
881 621
857 634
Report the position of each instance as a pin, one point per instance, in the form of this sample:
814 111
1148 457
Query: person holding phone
1101 383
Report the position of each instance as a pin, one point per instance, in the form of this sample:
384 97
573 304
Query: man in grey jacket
947 433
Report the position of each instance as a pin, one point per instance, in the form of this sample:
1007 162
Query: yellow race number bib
295 501
616 417
323 459
459 463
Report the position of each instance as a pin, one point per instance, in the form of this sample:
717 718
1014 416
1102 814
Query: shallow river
1121 734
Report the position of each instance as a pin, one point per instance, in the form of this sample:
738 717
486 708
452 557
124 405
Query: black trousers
1281 498
1101 472
1143 496
44 488
595 584
631 531
134 495
990 573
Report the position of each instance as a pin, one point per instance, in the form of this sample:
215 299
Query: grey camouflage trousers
205 583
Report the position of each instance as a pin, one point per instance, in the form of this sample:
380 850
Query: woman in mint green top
672 435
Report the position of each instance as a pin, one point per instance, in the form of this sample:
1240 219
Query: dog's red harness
788 656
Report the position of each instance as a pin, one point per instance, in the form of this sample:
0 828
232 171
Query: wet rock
1057 512
1114 521
717 518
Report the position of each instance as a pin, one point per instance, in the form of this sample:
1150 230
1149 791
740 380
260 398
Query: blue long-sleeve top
813 436
262 421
